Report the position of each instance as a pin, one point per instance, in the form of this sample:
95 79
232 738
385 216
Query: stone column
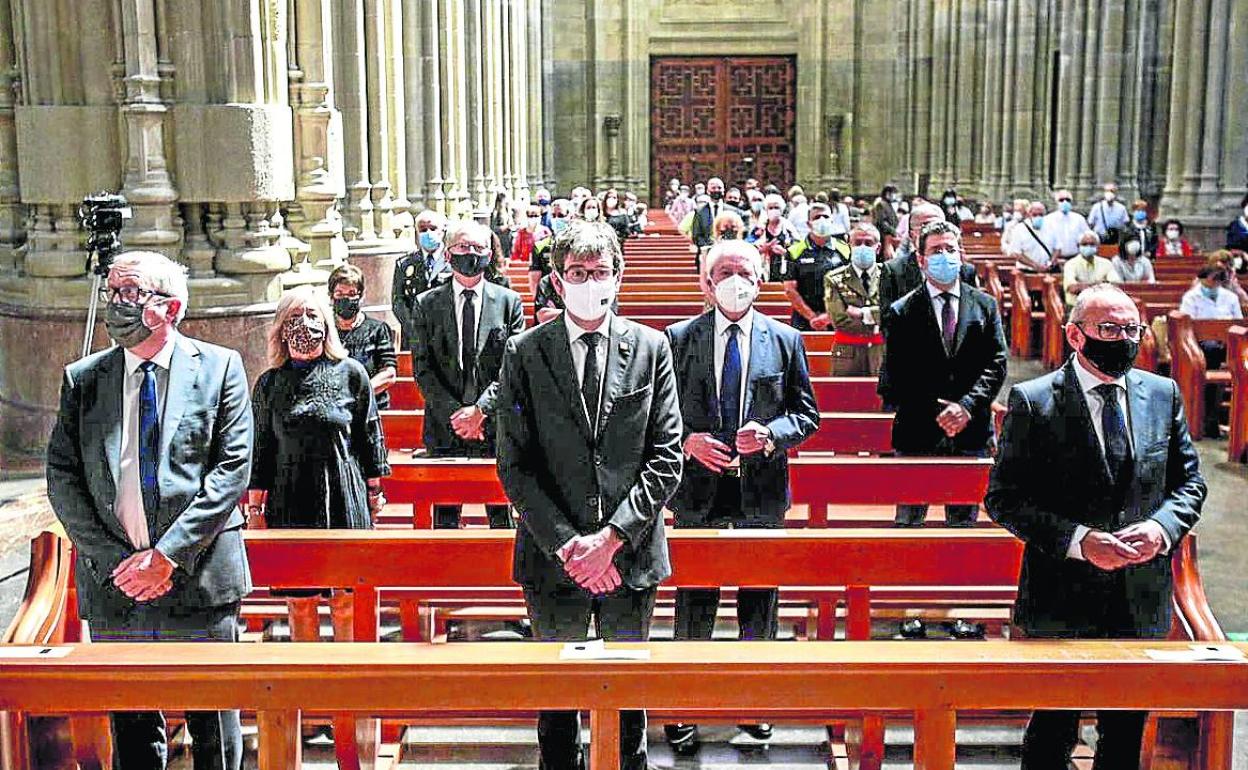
1099 94
518 107
535 94
994 85
507 84
1009 98
476 103
922 106
378 89
942 87
412 36
431 102
968 97
904 94
12 227
491 92
452 109
402 219
1072 51
318 137
349 77
1119 118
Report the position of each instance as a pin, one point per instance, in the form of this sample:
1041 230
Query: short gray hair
1089 235
939 227
734 247
1085 298
431 216
585 240
158 273
865 227
466 228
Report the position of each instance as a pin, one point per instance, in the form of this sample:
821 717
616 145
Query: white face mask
1172 235
590 300
735 294
591 215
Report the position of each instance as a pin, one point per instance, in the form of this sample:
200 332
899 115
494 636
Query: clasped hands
468 423
588 560
144 576
1134 544
716 455
953 419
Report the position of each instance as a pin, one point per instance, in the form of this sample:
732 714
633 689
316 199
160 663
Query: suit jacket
777 394
917 371
901 275
562 480
435 359
700 233
411 279
205 464
1051 476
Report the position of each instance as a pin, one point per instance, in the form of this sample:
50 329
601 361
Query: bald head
920 216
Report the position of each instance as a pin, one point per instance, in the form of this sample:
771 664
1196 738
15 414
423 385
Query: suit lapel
183 379
760 358
928 313
556 353
485 316
1137 406
110 390
965 311
702 343
1082 435
446 301
619 353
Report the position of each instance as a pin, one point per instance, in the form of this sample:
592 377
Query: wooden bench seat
1187 363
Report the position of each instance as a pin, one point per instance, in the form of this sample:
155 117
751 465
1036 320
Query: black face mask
1114 358
716 194
470 264
346 308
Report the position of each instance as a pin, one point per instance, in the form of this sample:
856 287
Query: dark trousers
758 609
563 613
447 516
955 515
139 738
1051 736
1215 357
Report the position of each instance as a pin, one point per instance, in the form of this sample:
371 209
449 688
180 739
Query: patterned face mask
303 334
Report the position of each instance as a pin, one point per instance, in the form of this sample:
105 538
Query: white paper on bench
1199 652
596 649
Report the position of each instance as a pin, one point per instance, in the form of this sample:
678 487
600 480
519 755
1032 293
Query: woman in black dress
367 340
319 452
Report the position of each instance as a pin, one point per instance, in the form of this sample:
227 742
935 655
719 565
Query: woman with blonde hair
319 453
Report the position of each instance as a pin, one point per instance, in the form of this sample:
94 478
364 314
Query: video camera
102 215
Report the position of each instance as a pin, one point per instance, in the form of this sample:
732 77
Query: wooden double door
731 117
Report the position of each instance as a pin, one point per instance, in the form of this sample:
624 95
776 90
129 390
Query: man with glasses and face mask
1098 476
736 467
461 328
809 260
589 453
149 457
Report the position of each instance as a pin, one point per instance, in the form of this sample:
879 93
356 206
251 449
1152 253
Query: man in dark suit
745 398
149 457
419 271
589 453
704 217
944 361
1098 476
902 274
460 381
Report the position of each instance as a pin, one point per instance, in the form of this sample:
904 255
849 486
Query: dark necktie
149 439
948 321
730 389
866 282
1114 432
591 378
468 342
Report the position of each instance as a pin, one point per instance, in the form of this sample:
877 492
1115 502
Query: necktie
468 342
1114 431
866 282
948 321
730 389
591 378
149 439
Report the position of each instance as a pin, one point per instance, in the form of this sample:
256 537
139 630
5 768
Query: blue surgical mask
558 225
943 267
1088 251
1064 206
822 227
430 240
862 257
1210 291
1140 216
1037 222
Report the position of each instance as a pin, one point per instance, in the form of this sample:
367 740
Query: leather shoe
914 628
683 738
964 629
760 732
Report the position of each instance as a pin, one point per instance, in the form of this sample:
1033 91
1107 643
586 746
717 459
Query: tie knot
147 366
469 293
591 339
733 330
946 296
1108 391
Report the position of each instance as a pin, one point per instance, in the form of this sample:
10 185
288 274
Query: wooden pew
1023 314
1237 363
1187 363
821 483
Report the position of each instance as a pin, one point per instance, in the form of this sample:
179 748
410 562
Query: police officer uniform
808 264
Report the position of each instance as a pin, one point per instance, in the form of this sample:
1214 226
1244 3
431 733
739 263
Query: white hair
1089 235
158 273
467 228
432 217
865 227
735 247
770 198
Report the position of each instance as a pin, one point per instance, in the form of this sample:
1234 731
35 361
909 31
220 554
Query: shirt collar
162 358
459 289
746 324
955 290
576 332
1088 380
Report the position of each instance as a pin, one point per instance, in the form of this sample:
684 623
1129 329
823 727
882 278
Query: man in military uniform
419 270
810 259
852 299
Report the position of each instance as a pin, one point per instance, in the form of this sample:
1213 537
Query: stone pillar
402 220
492 96
507 85
994 85
453 105
535 94
1070 115
318 137
476 104
904 93
922 106
1124 82
412 41
431 100
349 78
942 88
518 106
1099 94
378 89
12 226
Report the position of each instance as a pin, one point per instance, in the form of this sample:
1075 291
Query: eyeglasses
1063 200
580 275
130 295
1108 330
469 253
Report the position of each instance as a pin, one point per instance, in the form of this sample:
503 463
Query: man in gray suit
1098 476
589 452
460 382
149 457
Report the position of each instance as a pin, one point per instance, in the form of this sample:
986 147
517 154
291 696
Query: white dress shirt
460 301
129 503
746 325
938 302
1200 307
580 348
840 219
1096 406
1065 230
